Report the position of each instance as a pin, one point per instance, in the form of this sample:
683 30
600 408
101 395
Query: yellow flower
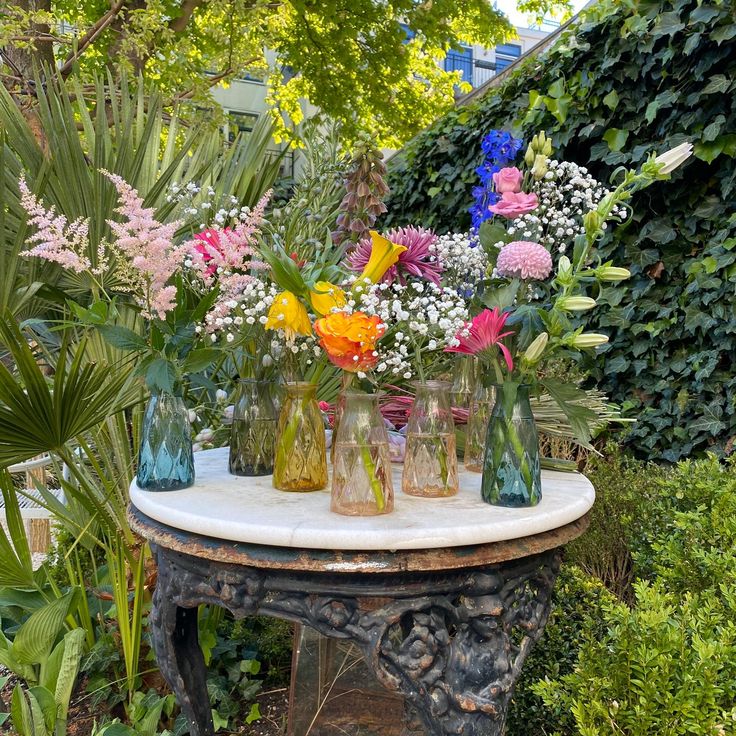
384 254
287 313
326 297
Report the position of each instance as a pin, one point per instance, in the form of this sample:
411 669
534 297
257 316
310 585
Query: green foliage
577 611
667 666
689 543
624 488
659 71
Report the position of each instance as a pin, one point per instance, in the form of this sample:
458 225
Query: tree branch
188 7
90 37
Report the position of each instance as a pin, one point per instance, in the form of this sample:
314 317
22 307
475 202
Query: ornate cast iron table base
452 641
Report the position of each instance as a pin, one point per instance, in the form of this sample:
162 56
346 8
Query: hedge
627 78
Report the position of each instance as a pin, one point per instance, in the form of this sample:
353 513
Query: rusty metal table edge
350 562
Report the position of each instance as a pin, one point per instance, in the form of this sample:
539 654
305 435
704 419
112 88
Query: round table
444 596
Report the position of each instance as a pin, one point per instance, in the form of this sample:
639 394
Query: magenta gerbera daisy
416 261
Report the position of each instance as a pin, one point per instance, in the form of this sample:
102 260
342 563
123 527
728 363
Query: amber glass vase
301 454
484 397
253 432
430 464
361 471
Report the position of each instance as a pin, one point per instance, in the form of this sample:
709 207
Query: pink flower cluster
417 260
148 244
523 259
55 239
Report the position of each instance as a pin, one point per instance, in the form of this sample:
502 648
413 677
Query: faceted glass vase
511 471
301 453
253 431
463 381
430 462
165 456
361 472
484 398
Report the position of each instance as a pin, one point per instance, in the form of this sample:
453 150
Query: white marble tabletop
250 510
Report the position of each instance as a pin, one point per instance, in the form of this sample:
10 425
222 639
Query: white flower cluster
419 317
566 193
249 307
464 262
194 204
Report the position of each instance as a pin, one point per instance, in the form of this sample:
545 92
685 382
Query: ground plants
627 77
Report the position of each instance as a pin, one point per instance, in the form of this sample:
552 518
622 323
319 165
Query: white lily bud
220 396
613 273
575 303
536 349
529 156
192 416
670 160
590 340
540 166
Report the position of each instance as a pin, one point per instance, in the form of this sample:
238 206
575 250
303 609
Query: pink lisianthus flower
483 334
514 204
523 259
417 260
508 180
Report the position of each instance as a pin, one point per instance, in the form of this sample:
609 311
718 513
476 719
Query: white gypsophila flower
464 261
418 316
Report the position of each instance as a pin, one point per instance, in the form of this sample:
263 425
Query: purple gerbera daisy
417 260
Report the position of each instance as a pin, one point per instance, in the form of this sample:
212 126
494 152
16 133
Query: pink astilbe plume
149 246
483 334
55 239
417 260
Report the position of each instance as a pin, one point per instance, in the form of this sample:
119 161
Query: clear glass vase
511 471
253 431
165 456
301 454
463 381
430 463
484 398
361 471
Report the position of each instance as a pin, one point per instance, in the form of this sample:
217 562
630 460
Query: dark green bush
624 489
631 77
577 605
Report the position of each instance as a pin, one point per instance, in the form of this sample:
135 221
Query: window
506 54
239 122
460 60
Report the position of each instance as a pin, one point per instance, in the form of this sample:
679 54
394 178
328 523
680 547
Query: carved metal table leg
176 644
452 642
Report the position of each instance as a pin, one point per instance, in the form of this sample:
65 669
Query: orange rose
350 339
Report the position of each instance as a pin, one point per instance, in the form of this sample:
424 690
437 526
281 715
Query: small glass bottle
484 397
361 472
165 456
511 472
430 464
463 381
301 453
253 431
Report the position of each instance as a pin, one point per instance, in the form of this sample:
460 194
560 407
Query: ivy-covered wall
630 77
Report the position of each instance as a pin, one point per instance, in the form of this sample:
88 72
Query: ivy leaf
611 100
709 422
668 24
616 138
719 83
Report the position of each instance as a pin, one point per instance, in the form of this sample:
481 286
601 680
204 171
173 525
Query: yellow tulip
384 254
326 297
287 313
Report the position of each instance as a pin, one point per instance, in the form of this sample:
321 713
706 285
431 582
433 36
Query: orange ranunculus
350 339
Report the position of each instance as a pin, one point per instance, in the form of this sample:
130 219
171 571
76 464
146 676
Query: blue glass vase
511 469
165 458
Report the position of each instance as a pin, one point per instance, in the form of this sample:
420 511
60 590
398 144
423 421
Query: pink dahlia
523 259
417 260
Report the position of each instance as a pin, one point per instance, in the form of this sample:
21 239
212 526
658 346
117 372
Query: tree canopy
352 58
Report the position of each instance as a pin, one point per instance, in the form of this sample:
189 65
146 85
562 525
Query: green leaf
36 637
161 375
616 138
567 397
199 359
254 714
47 706
611 100
123 338
708 151
718 84
218 721
490 233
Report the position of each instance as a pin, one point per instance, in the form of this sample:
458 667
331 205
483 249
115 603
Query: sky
520 19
